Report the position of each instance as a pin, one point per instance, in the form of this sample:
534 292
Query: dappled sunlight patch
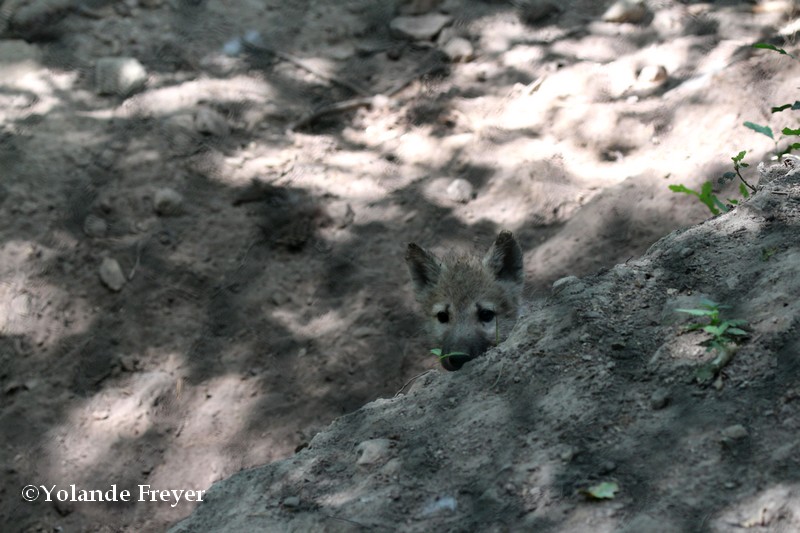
31 306
166 101
329 323
92 428
776 508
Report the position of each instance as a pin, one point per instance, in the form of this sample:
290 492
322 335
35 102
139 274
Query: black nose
455 362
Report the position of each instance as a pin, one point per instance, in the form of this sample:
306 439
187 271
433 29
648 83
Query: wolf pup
471 304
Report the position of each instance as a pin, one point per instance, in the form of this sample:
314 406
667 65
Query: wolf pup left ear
423 266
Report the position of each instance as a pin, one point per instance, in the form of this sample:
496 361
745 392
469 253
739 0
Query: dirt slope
597 385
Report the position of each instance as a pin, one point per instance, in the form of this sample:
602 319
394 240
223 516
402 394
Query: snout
455 362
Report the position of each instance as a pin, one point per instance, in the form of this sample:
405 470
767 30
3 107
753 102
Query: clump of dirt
598 384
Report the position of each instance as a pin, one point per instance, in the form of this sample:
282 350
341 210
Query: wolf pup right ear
504 259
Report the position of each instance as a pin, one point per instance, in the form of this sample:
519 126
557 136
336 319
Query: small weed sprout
724 333
438 353
711 200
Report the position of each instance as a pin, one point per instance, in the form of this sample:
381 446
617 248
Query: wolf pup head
470 304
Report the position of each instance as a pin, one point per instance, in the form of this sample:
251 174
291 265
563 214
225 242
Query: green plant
706 194
724 334
711 200
786 132
438 353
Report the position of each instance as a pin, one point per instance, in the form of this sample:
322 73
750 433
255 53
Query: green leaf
765 130
602 491
793 146
772 47
722 207
681 188
736 331
716 331
437 352
696 312
795 106
738 157
787 131
767 253
711 304
743 190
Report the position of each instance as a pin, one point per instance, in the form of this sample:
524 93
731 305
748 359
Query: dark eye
443 317
485 315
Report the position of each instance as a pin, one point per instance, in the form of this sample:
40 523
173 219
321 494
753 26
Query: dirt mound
599 384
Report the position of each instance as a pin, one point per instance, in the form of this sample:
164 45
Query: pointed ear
504 259
423 266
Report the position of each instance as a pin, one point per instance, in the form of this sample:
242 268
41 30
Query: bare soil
260 239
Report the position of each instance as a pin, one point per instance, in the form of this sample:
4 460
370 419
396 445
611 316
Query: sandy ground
198 275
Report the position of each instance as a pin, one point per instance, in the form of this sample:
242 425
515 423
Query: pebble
653 74
209 122
168 202
458 50
94 226
734 432
122 76
659 399
632 11
460 190
373 451
111 274
291 502
341 213
421 27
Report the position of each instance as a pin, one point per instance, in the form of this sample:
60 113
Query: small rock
561 283
460 190
341 213
279 298
659 399
734 432
653 74
111 274
292 502
127 363
168 202
101 414
458 50
632 11
209 122
419 28
122 76
373 451
94 226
